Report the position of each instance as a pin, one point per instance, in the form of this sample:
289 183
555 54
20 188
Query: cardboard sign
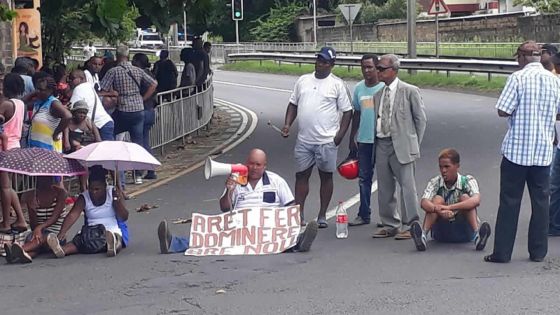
252 231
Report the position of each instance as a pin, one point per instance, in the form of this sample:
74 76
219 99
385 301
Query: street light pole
411 28
315 22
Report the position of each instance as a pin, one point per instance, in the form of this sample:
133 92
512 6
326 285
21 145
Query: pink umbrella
116 155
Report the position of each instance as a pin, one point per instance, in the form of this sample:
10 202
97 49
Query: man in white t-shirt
82 90
94 66
318 99
264 189
89 51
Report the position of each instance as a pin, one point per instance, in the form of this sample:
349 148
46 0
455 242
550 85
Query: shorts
307 155
456 231
45 233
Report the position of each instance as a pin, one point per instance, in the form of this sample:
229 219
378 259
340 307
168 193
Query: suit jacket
408 121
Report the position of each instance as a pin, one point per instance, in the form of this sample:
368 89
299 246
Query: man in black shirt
165 72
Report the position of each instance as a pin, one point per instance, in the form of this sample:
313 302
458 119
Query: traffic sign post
437 7
237 15
350 11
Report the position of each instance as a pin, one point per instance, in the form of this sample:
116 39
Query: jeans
512 184
107 132
178 244
133 122
554 216
366 162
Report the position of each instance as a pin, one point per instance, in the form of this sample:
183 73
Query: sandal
322 223
384 233
18 229
6 231
493 259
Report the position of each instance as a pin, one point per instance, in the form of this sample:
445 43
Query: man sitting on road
265 189
450 201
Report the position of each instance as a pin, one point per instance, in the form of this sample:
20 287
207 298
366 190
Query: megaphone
213 168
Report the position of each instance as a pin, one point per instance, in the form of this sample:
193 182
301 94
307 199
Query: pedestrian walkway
183 156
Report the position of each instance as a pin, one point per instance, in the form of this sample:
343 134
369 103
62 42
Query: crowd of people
63 110
387 121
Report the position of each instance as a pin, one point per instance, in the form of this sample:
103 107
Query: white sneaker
111 244
54 245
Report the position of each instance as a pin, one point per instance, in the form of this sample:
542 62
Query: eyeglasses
381 68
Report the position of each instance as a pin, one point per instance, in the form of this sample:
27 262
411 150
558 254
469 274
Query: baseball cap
528 48
80 105
327 53
549 48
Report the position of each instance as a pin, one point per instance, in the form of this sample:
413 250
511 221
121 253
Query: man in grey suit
401 122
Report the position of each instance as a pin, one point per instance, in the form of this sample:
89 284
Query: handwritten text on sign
253 231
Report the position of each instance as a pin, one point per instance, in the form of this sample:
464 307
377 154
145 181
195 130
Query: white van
147 39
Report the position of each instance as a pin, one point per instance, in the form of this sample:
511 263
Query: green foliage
375 10
6 14
278 25
542 6
65 22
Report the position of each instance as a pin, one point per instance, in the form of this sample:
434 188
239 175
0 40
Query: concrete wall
488 28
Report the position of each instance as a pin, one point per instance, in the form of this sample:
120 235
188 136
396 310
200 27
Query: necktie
386 112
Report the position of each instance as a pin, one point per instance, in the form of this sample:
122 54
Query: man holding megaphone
247 186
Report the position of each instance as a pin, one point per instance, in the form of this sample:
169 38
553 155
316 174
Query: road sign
350 11
438 7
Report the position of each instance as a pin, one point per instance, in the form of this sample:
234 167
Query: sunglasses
381 68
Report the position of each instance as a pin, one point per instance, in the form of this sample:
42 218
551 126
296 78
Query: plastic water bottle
341 221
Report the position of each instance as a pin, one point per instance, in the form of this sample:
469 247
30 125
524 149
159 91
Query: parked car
147 39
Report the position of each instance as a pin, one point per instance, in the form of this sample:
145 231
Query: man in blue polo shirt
363 124
264 189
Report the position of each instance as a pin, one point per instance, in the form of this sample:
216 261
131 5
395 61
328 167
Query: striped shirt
532 98
43 126
465 184
43 214
127 79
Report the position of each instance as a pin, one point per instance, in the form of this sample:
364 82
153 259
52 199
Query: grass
421 79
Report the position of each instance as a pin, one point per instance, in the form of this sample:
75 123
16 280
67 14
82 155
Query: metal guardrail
449 65
181 112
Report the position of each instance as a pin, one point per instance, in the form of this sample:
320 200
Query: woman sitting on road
105 218
46 207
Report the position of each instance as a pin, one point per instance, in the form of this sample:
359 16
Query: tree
65 22
375 10
278 25
6 14
542 6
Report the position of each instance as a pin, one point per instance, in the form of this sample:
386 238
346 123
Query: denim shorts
456 231
307 155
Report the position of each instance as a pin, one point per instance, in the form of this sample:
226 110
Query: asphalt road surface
358 275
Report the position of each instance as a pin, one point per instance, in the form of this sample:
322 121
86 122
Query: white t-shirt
92 79
320 102
271 191
85 92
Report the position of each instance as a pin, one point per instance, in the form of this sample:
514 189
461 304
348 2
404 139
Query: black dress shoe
536 259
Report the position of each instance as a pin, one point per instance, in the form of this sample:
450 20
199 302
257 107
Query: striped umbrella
39 162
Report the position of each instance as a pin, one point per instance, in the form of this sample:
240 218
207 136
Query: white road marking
253 86
350 202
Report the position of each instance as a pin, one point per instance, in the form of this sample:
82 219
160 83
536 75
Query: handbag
92 239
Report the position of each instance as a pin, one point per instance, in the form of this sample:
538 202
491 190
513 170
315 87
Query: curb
248 125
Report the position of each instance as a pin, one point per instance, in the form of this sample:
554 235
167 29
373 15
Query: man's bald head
78 74
76 78
256 162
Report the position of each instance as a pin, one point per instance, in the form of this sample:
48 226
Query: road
358 275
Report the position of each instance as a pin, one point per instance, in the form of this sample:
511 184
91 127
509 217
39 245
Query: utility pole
411 28
315 22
